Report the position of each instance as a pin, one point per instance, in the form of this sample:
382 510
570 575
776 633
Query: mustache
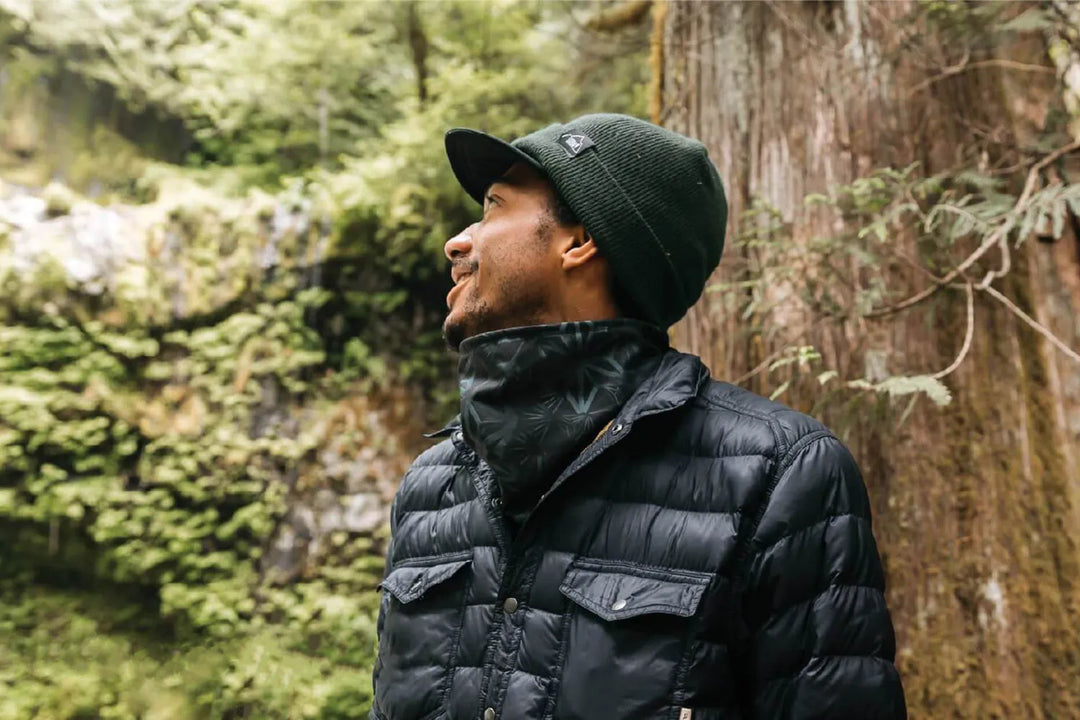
467 266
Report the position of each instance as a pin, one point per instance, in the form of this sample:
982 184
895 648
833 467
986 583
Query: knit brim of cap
479 159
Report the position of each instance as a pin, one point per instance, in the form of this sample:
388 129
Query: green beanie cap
650 197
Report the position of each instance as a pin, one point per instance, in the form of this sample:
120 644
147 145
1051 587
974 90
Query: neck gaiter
534 397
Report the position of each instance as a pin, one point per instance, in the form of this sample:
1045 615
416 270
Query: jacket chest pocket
423 606
626 631
411 582
618 591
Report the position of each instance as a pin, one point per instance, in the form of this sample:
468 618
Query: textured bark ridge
976 504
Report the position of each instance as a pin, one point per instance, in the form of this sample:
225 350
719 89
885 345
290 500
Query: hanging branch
964 66
1033 323
967 336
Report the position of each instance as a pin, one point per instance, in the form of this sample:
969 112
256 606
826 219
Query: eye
489 200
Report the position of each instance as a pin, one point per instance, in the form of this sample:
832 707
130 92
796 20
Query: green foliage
171 490
72 655
154 455
281 83
898 386
982 25
329 93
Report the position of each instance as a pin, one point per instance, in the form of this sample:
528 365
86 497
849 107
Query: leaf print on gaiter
534 397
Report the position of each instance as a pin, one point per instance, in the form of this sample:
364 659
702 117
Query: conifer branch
998 236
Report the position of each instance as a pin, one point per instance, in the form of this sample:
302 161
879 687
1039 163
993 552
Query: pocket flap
620 591
410 582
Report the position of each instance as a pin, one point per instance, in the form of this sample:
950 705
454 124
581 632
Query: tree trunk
976 504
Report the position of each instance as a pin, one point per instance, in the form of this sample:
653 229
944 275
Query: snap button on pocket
510 606
615 591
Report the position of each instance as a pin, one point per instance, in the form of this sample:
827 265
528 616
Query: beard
519 303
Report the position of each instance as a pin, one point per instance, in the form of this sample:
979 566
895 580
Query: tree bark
976 504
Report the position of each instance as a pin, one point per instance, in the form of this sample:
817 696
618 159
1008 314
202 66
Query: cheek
511 263
492 264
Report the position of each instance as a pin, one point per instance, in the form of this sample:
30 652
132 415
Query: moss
67 655
1053 601
152 435
987 619
58 199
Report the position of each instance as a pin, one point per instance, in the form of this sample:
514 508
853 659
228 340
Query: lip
453 291
458 272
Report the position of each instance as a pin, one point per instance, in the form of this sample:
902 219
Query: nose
460 244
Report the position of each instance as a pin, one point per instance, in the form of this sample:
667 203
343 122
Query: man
605 533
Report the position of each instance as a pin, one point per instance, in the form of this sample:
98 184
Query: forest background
221 287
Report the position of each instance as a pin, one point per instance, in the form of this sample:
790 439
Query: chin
465 321
454 330
468 319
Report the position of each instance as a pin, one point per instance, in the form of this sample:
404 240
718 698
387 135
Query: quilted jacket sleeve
383 601
820 642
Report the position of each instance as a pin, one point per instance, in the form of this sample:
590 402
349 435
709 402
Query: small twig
952 275
1006 265
963 66
1035 325
967 336
788 22
993 239
956 209
947 72
1012 65
1033 174
915 264
764 364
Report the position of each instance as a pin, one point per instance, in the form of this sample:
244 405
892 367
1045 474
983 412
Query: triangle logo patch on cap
575 143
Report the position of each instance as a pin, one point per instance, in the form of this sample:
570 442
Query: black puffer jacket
708 556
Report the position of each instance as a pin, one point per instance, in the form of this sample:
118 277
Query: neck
533 397
584 308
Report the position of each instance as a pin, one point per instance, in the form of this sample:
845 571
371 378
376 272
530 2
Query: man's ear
580 250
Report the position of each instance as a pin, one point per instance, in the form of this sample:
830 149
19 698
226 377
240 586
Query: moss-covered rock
170 428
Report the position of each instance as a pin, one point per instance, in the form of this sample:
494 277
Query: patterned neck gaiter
534 397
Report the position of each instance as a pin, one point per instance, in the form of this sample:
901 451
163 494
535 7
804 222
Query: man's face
505 267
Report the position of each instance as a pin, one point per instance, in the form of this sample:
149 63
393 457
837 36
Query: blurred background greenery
222 284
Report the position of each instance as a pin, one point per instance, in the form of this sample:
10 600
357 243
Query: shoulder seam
769 420
743 551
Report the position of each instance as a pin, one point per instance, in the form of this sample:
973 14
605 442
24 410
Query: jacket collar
532 398
677 379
